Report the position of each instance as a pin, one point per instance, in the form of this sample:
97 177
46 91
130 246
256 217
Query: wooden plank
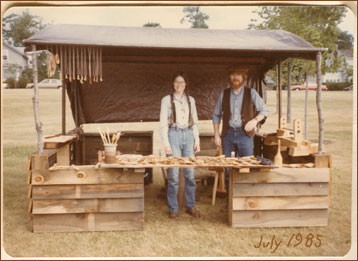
88 222
134 145
57 141
207 145
62 206
63 155
88 191
29 208
186 59
280 189
322 160
28 178
280 218
285 175
88 176
29 191
39 162
271 203
208 152
244 170
215 188
231 180
123 144
28 166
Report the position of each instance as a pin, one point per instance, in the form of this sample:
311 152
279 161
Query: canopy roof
139 62
239 40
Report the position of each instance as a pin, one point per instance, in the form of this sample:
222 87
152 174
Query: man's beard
238 86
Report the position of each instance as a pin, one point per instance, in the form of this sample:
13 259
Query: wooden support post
75 87
215 188
64 107
319 105
83 149
279 95
232 172
289 91
63 155
306 104
38 123
322 160
221 182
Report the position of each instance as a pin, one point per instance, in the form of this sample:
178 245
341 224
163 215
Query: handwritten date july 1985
295 240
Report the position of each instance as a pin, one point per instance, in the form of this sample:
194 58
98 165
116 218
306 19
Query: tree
16 27
345 40
151 24
194 16
315 24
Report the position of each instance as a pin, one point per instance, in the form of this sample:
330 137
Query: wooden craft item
278 157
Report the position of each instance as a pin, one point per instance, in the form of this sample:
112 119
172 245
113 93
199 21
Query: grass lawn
209 236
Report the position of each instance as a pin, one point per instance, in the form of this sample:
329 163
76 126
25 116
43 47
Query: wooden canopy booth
120 74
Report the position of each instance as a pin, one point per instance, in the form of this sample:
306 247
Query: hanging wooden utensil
51 65
61 63
89 64
65 65
93 63
85 62
97 65
96 61
81 65
69 64
73 63
77 63
100 64
57 56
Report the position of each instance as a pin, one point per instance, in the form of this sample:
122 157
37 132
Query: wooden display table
82 198
101 197
110 197
282 197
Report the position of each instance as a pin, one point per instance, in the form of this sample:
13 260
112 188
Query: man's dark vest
248 111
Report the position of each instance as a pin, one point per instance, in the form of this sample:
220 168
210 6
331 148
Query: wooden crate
283 197
85 199
131 142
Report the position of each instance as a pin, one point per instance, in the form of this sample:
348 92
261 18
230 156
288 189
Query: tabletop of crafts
139 161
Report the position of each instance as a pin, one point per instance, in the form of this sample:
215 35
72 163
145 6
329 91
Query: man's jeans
236 140
182 145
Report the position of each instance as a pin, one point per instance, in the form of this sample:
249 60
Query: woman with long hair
180 137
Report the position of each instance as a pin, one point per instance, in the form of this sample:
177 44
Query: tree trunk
318 102
289 91
306 104
35 99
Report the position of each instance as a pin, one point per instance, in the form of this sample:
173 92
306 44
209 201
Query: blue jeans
236 140
182 145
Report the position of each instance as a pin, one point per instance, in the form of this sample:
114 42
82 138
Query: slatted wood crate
131 142
84 198
284 197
